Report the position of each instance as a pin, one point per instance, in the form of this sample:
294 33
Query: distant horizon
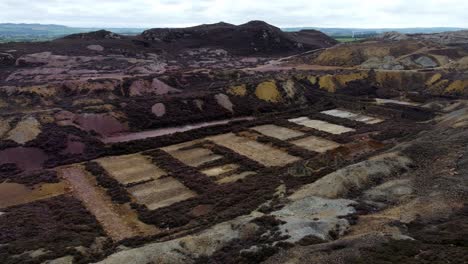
282 27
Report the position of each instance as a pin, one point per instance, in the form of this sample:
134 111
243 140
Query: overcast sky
283 13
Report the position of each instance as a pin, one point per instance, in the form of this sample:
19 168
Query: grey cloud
151 13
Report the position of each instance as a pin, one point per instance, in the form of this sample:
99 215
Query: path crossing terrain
135 152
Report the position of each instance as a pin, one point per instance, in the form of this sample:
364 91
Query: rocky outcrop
25 131
445 38
250 38
6 59
95 35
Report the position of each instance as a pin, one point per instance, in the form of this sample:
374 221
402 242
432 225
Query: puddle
281 133
15 194
321 125
74 146
168 131
104 124
353 116
27 159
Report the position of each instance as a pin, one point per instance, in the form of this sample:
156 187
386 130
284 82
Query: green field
347 39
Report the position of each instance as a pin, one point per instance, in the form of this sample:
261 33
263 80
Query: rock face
315 216
443 38
252 37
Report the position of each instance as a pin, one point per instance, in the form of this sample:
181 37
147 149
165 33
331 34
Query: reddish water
74 146
27 159
103 124
168 131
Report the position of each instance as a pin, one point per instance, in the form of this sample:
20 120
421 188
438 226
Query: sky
282 13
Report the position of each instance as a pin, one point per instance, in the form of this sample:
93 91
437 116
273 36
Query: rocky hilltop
444 38
252 37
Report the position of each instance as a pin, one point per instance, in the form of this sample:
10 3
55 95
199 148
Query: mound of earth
250 38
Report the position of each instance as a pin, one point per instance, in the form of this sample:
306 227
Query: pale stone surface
161 193
353 116
321 125
26 130
95 47
184 250
314 216
224 101
235 177
192 157
158 109
216 171
261 153
281 133
316 144
131 168
394 191
392 101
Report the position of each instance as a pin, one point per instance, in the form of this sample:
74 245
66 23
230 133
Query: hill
254 36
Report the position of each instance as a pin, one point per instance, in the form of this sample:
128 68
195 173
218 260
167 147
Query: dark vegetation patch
54 139
441 241
113 188
7 170
57 225
4 144
178 112
413 252
27 178
452 230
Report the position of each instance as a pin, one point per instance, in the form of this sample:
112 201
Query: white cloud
162 13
